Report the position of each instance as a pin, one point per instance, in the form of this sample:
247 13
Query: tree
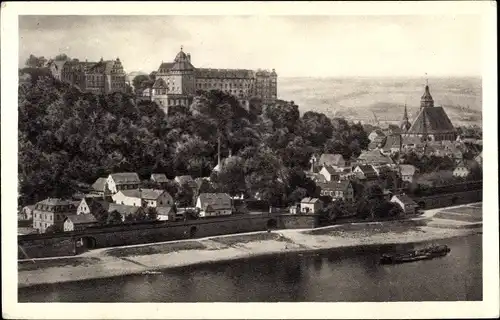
190 215
115 217
53 229
141 82
62 57
152 214
35 62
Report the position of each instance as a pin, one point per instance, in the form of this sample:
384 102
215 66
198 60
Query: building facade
102 77
51 212
177 82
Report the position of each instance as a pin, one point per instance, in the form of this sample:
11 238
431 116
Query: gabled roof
95 204
432 120
374 156
160 83
407 169
341 185
186 180
99 185
81 219
125 178
331 170
331 159
148 194
123 209
216 201
164 211
165 67
403 198
55 202
367 169
310 200
159 177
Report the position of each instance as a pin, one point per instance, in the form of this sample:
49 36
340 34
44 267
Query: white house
329 173
122 181
79 222
406 203
214 204
337 161
143 197
100 187
310 205
160 178
407 172
365 172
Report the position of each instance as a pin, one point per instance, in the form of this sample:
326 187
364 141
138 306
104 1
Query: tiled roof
123 209
331 159
341 185
223 73
164 211
99 184
148 194
433 120
407 169
330 170
125 177
159 177
374 156
81 219
186 180
367 169
182 66
217 201
310 200
165 67
55 202
406 200
391 141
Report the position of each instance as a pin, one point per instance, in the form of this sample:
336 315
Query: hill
358 98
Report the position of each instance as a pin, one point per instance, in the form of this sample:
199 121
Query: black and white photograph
196 155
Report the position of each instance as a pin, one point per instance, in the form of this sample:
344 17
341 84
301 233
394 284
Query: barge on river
416 255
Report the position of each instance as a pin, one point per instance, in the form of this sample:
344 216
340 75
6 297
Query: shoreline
116 262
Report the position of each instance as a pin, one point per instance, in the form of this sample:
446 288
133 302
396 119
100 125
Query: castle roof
432 120
165 67
224 73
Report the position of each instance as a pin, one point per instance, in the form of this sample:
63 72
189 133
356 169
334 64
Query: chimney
189 57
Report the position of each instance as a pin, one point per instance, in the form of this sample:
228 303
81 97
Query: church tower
426 100
405 124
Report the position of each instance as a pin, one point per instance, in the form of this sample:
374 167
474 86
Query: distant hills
360 98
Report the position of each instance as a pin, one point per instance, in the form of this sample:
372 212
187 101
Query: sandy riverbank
137 259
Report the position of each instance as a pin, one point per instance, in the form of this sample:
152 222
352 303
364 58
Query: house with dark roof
123 181
333 160
406 203
91 205
125 210
143 197
214 204
374 157
79 222
338 190
310 205
365 172
100 187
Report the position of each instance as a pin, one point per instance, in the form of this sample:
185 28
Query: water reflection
335 276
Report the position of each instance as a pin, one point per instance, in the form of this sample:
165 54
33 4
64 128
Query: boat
416 255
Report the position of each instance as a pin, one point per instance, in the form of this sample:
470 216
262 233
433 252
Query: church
431 123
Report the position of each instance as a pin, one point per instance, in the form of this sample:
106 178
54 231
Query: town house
406 203
365 172
125 210
79 222
159 178
51 211
100 187
143 197
336 161
329 173
338 190
90 205
214 204
310 205
122 181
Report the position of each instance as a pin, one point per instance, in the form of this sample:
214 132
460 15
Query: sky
296 46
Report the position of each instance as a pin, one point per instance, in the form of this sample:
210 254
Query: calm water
345 275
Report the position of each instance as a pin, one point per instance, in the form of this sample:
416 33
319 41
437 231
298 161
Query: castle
100 77
431 123
177 82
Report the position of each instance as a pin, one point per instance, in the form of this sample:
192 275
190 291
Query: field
358 98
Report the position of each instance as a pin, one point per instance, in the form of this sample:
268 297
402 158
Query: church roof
433 119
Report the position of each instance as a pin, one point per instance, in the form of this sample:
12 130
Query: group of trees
66 135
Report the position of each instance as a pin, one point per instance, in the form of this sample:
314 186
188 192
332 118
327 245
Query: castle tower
181 84
426 100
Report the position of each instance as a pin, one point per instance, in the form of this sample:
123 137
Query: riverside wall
62 244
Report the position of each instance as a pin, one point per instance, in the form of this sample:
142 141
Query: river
333 276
